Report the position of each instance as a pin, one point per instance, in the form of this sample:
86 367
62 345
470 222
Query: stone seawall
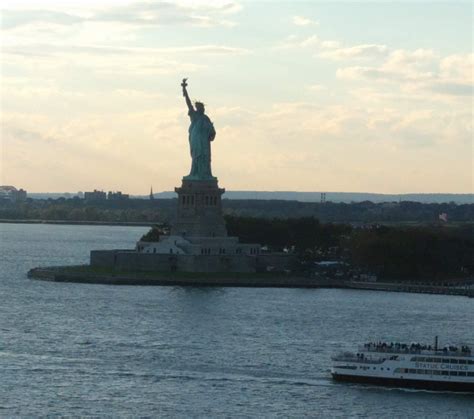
132 261
89 275
93 275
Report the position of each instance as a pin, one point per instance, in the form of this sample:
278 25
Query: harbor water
97 350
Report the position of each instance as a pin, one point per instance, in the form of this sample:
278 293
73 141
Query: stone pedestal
199 209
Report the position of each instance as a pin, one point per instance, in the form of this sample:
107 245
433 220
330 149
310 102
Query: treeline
300 234
364 212
390 252
75 209
417 252
163 210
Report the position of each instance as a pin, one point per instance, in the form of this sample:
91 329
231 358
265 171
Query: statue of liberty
201 133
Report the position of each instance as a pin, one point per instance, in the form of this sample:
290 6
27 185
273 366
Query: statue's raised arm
186 96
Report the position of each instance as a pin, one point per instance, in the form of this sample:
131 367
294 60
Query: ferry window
437 372
445 361
412 371
454 361
470 374
437 360
445 373
462 361
462 373
429 359
455 373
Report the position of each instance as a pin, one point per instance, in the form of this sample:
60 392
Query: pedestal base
199 209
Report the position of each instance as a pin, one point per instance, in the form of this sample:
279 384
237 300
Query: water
77 349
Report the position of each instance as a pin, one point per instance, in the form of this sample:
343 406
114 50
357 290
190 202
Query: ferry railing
354 358
413 351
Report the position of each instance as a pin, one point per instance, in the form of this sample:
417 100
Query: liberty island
198 241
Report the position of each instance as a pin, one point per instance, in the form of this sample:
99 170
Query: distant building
117 196
12 194
95 195
151 193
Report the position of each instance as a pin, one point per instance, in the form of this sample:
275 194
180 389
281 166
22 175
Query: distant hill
346 197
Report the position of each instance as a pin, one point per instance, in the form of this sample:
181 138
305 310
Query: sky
304 96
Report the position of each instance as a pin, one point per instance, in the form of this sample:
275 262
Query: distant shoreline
153 223
305 196
70 222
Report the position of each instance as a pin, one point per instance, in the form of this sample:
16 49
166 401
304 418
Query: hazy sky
307 96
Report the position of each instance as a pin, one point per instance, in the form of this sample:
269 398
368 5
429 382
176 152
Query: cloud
419 70
457 66
99 50
316 87
357 51
110 60
296 42
333 50
303 21
453 89
15 18
369 73
418 58
140 14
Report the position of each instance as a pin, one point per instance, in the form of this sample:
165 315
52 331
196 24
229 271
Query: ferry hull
396 382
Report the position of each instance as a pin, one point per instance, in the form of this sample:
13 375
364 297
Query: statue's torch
184 85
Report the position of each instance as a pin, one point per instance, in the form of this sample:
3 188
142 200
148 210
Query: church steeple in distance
151 193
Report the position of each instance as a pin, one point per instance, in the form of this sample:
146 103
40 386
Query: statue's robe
201 133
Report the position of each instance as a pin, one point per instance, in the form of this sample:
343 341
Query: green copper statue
201 133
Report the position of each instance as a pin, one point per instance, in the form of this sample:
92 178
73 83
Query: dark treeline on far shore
390 252
162 210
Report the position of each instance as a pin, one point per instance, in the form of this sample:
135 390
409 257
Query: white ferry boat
408 365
